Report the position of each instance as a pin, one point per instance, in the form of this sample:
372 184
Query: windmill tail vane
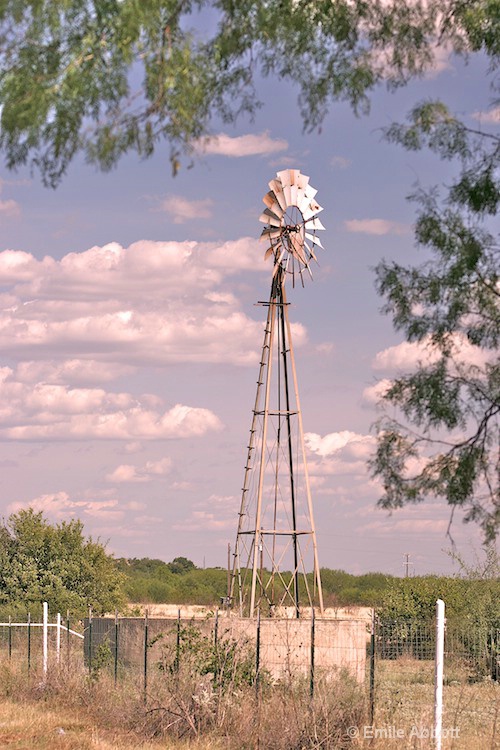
275 559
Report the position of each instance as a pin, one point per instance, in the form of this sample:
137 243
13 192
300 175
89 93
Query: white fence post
45 639
58 637
439 666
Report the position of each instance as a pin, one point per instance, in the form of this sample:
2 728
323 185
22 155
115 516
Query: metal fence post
29 642
216 627
372 670
496 656
10 637
439 665
116 647
145 655
90 640
313 634
45 639
178 642
68 634
58 638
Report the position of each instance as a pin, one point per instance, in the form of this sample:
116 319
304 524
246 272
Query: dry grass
35 725
405 698
184 711
181 710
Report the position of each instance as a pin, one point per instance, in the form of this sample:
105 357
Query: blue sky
130 338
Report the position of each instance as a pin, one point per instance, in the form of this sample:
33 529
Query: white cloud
182 209
201 519
412 526
110 308
146 473
60 505
242 145
133 447
215 513
340 162
10 208
158 468
338 454
373 393
72 372
375 226
16 265
326 347
357 446
125 473
407 355
491 116
45 411
441 62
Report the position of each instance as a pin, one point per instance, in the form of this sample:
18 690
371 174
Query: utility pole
407 564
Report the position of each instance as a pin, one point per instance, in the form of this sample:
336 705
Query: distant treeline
181 582
473 597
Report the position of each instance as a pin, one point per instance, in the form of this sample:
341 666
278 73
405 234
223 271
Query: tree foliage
57 564
440 435
445 441
107 77
181 565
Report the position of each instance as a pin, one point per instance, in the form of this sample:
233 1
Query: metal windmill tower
276 537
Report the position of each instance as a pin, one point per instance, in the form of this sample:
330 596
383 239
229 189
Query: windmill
276 538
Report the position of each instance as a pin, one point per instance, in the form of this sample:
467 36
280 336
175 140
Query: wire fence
471 651
38 646
374 655
278 649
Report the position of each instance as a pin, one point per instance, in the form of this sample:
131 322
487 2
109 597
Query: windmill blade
306 267
315 240
277 189
297 249
270 250
307 198
302 184
303 181
313 209
285 179
310 250
272 204
314 223
269 218
270 233
310 191
294 177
